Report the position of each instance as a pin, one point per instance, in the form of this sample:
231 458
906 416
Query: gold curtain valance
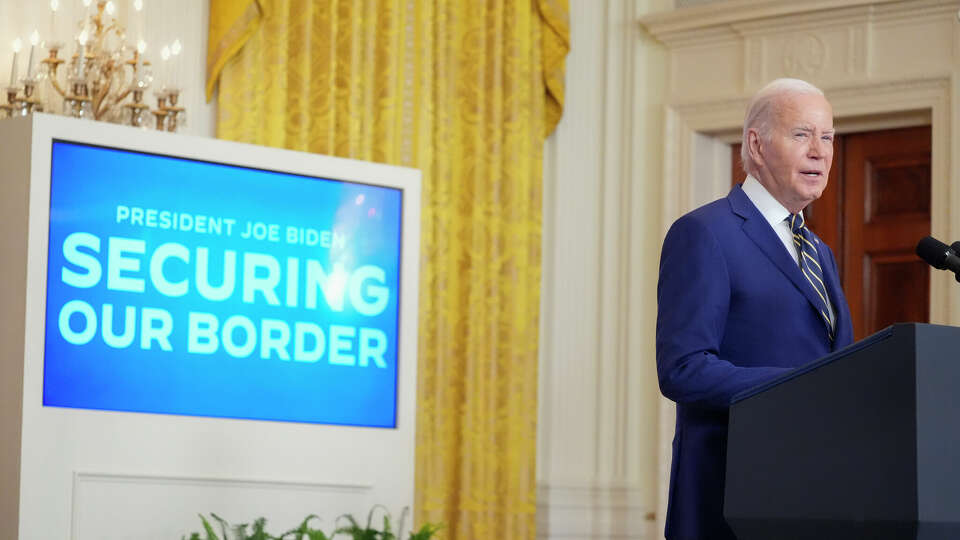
555 15
232 22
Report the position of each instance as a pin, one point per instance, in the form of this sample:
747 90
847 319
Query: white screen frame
79 469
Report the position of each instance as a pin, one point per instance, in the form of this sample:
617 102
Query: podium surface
863 443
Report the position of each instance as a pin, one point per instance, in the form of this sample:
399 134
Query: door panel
886 277
887 210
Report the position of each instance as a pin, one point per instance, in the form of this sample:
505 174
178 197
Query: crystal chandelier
106 78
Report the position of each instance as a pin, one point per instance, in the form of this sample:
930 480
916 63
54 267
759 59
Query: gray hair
761 110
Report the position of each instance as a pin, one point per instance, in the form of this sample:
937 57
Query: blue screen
186 287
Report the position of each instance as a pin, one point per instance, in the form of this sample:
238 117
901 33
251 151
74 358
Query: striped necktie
810 266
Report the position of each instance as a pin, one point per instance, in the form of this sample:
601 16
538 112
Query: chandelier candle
52 33
81 52
175 50
164 67
34 41
17 44
138 19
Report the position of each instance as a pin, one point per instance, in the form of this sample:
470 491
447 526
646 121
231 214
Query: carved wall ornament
804 55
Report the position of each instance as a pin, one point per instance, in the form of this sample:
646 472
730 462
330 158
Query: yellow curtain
465 91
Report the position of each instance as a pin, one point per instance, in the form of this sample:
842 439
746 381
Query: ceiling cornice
718 18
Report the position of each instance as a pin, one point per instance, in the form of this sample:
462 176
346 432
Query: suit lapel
758 229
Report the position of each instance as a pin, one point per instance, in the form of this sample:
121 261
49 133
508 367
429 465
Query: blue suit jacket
734 310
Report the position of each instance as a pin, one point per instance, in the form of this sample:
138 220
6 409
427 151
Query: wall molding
187 487
595 512
85 477
731 17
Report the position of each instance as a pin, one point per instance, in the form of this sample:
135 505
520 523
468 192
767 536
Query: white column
601 241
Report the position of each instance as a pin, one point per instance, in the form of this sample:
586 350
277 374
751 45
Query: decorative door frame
882 64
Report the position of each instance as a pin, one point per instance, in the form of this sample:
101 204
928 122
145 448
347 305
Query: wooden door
886 211
874 210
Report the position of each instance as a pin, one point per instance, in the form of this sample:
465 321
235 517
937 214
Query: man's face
795 163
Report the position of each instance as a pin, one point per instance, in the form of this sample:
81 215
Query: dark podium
861 444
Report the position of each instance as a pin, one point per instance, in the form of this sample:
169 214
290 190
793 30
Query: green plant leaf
304 530
223 525
426 532
259 530
355 530
386 533
209 530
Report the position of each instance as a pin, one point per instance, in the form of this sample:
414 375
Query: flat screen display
187 287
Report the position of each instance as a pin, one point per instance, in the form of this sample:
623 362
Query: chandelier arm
100 104
133 79
57 87
52 68
122 96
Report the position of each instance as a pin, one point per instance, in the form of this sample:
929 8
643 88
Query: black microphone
939 255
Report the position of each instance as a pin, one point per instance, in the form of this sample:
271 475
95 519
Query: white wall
598 436
166 20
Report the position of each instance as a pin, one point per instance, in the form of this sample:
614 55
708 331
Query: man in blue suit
746 293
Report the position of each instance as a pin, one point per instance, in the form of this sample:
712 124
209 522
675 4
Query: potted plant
350 528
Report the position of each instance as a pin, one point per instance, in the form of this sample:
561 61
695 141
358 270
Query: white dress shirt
777 215
773 212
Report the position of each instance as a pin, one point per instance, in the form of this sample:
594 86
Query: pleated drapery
465 91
